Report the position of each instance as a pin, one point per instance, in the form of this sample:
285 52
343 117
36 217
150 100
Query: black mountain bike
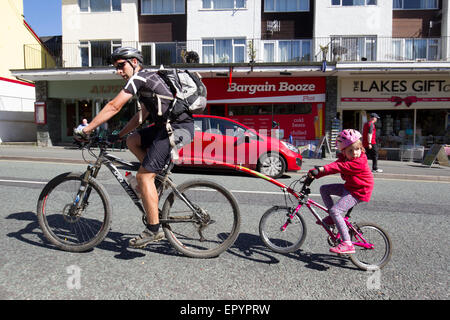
200 218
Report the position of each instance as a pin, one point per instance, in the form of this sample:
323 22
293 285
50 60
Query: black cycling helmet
126 53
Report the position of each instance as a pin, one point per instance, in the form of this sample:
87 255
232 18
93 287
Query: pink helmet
346 138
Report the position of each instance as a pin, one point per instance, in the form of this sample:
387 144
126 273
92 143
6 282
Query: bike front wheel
373 246
277 238
201 219
69 228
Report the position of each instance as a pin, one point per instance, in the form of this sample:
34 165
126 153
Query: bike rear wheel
210 235
276 239
370 258
69 229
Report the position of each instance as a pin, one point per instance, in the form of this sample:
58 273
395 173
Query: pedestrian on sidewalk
84 123
370 141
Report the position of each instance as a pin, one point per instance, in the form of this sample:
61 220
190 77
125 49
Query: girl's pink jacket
356 173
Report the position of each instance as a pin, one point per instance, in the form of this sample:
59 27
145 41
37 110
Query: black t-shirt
145 84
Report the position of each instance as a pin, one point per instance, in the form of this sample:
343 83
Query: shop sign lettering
267 87
397 86
102 89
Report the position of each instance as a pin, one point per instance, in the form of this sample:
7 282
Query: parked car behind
219 139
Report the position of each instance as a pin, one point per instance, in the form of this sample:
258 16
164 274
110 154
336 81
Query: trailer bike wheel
275 237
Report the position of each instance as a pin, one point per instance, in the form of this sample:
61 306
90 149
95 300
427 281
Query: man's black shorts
156 141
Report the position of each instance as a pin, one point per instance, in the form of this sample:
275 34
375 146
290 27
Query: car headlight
290 146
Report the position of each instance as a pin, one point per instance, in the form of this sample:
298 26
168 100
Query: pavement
401 170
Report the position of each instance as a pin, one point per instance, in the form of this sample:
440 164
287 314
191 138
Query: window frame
164 13
403 6
235 45
88 7
354 5
401 45
275 44
87 44
274 2
367 40
235 7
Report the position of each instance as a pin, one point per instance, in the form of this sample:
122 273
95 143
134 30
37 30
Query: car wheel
272 165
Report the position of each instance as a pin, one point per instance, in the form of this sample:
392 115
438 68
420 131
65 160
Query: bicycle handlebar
94 140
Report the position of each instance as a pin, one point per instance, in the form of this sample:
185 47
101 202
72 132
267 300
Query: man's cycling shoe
145 238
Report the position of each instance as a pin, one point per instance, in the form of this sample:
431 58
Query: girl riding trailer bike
283 228
354 169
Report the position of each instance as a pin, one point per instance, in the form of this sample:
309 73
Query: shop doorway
84 111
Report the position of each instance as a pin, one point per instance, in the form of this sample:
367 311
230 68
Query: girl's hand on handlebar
314 172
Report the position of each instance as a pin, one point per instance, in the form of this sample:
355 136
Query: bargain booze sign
277 90
265 90
402 93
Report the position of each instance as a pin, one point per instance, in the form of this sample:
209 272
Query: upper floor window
223 50
100 5
416 48
224 4
416 4
353 2
162 7
354 48
97 53
287 50
286 5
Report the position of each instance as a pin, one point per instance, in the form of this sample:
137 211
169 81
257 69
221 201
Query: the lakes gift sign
395 92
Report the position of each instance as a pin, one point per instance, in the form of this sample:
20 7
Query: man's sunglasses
120 65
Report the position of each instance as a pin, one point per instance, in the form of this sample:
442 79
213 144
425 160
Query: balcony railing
240 50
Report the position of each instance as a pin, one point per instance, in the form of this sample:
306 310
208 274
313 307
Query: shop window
304 108
431 127
217 110
269 109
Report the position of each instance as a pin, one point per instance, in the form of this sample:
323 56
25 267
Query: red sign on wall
272 91
266 90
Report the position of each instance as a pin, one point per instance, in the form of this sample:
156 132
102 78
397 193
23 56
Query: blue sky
44 16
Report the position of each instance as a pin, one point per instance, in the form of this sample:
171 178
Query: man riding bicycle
150 145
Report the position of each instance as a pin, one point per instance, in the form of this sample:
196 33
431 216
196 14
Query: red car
219 139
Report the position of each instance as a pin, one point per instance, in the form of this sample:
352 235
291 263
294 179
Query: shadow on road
247 246
251 247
